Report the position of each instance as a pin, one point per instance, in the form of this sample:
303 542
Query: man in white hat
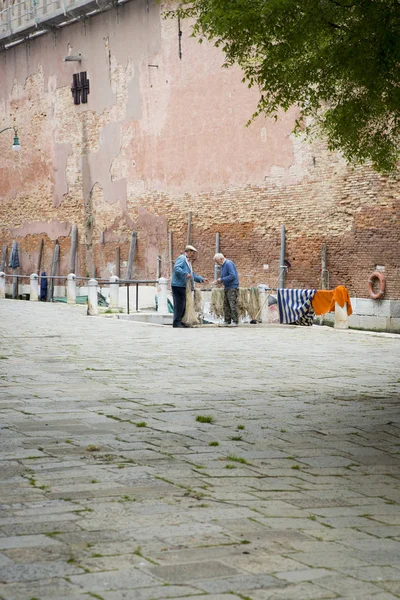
182 271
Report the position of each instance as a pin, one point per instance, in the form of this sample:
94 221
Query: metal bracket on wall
179 38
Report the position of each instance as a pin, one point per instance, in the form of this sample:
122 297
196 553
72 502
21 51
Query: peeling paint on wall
53 230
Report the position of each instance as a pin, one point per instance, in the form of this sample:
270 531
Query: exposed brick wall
359 233
161 137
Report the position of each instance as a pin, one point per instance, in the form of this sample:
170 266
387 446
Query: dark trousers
179 298
231 305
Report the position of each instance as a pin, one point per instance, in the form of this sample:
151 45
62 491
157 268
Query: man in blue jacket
230 280
183 271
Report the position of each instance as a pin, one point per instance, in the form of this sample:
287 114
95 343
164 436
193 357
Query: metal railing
128 282
20 19
101 282
17 16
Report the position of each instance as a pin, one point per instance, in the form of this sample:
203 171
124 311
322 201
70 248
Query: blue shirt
229 275
181 269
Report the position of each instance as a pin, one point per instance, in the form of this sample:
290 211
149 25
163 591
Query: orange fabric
341 296
324 300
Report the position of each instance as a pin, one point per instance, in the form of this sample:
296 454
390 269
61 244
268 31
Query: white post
71 288
162 296
114 292
34 288
15 284
263 299
93 308
2 285
341 317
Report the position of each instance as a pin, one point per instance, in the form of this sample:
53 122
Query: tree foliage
338 60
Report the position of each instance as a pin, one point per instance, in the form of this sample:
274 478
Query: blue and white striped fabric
295 306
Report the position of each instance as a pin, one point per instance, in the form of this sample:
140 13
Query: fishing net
243 302
190 317
198 303
217 303
248 303
253 308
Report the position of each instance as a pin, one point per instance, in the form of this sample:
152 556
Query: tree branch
343 5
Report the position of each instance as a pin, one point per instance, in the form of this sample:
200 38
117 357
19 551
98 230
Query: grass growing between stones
32 481
33 457
213 443
205 419
113 417
138 552
237 459
93 448
72 561
192 493
109 458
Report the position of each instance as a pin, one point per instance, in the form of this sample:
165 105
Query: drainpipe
324 270
189 230
282 266
217 250
170 254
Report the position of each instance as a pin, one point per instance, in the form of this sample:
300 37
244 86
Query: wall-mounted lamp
16 145
73 58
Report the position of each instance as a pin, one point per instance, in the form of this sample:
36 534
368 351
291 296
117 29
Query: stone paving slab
304 590
112 487
113 580
181 592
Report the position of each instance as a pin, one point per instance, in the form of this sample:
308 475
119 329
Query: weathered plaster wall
161 136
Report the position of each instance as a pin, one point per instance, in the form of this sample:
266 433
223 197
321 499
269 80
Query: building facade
162 141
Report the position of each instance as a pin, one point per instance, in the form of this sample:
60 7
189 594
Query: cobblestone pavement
142 462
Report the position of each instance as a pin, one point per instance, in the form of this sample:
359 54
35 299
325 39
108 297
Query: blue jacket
14 258
43 286
229 275
181 269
